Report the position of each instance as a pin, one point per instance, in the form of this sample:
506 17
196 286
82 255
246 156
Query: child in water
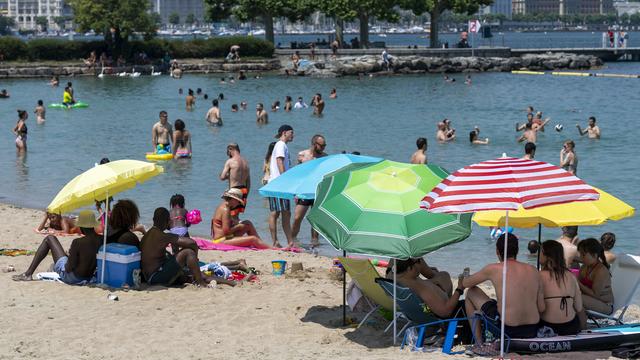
178 224
40 112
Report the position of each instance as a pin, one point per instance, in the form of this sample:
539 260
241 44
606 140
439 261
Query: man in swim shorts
79 265
162 132
161 268
318 144
592 129
213 115
236 171
279 163
525 298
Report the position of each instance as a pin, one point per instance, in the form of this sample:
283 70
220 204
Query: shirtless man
536 122
236 170
524 297
161 268
262 117
529 151
318 104
213 115
420 156
79 265
444 135
162 132
529 135
592 129
318 144
568 240
227 230
190 100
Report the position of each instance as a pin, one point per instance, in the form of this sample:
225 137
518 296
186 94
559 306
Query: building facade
518 7
25 12
503 7
567 7
181 7
625 7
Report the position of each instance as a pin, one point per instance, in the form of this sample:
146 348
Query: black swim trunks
490 311
167 273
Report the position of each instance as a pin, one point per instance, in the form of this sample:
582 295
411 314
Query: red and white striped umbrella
505 183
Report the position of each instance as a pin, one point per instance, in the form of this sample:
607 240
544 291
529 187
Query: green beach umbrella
374 209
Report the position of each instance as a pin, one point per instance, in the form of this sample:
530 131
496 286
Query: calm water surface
376 116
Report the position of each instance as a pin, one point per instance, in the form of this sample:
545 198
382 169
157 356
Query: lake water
380 116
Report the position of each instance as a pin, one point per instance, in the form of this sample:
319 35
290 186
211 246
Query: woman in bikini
20 130
568 157
181 141
56 223
595 279
562 297
225 230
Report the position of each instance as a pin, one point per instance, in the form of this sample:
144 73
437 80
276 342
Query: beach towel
206 244
48 276
15 252
57 232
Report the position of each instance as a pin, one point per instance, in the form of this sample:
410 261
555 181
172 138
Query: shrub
58 49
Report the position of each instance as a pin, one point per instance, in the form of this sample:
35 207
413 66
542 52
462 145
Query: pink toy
193 217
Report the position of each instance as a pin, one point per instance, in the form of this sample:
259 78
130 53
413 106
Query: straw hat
233 193
86 219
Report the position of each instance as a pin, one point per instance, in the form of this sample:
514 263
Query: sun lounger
364 275
625 278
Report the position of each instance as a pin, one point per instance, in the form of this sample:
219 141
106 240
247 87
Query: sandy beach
290 317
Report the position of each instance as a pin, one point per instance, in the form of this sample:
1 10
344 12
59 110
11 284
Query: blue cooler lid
117 248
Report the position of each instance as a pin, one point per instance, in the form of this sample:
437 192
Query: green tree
190 19
5 25
266 10
156 19
42 22
436 7
60 21
115 19
363 10
174 18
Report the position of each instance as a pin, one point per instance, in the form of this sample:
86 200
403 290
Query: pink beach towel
206 244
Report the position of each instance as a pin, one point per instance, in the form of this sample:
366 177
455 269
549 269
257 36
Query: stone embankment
369 64
49 69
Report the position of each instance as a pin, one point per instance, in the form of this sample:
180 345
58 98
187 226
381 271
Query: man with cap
236 170
79 265
226 229
279 163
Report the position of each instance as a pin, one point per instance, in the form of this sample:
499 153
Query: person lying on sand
57 223
226 230
161 268
79 265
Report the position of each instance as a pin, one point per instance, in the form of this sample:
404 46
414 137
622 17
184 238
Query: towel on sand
15 252
205 244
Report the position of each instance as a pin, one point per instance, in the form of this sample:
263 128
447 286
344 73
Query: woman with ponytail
20 130
594 278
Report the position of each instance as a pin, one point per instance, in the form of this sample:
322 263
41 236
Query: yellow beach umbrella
102 181
581 213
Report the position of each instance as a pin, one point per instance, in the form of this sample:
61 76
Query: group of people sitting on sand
168 255
553 298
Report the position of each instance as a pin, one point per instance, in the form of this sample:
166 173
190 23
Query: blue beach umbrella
301 181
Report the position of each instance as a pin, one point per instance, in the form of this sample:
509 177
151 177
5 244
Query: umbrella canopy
581 213
372 209
506 184
301 181
95 183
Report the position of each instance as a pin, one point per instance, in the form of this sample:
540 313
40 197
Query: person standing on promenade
279 163
529 151
213 115
236 171
20 130
162 132
318 144
592 129
420 156
262 117
568 157
318 104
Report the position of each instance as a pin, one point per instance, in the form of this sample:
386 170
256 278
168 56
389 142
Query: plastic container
279 266
121 261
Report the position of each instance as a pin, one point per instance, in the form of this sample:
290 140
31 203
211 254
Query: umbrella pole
504 285
395 323
104 241
539 243
344 292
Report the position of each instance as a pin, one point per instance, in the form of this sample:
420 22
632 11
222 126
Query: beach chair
625 279
364 274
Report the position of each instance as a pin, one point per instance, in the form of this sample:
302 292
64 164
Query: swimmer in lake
20 130
333 94
190 100
288 103
162 133
592 129
420 155
213 115
473 137
444 135
40 112
529 135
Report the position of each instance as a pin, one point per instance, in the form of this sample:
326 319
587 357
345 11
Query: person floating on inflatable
67 98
